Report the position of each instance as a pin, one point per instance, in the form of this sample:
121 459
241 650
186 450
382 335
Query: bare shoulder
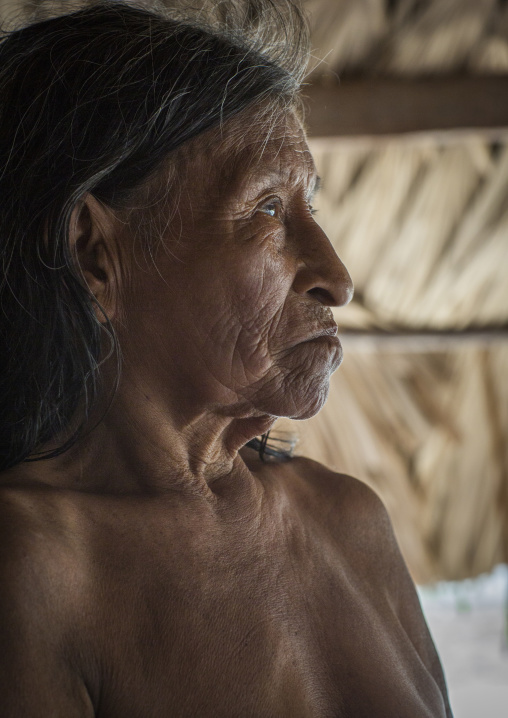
356 523
36 523
37 557
332 484
41 580
341 510
350 518
346 505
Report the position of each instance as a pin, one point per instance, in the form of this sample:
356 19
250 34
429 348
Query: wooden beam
446 107
424 341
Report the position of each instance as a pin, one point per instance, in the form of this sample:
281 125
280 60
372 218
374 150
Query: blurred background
407 112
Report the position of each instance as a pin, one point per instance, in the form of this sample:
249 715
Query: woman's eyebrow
268 176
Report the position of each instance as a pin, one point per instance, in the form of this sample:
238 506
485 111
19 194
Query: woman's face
242 283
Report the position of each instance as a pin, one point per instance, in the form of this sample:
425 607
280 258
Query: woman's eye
273 208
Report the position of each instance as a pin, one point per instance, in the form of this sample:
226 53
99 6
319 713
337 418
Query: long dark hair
95 101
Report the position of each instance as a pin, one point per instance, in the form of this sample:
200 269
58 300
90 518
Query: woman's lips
328 331
323 332
330 343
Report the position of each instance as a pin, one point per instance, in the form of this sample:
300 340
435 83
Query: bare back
290 602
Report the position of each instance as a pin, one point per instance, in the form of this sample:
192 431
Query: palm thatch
409 37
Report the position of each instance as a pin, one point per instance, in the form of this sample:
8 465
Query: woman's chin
299 390
306 389
296 402
310 408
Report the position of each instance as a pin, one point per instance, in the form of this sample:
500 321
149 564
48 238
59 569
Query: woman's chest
261 630
209 634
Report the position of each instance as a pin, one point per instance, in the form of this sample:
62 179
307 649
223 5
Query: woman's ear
93 238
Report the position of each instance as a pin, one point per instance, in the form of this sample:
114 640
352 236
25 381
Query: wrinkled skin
160 568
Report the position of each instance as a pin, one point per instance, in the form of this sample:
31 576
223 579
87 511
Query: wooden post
377 108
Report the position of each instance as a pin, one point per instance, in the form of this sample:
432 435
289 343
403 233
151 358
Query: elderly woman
165 296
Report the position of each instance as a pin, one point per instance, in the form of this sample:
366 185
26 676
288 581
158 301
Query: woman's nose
320 272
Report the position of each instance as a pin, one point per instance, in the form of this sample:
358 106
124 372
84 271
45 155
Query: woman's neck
139 446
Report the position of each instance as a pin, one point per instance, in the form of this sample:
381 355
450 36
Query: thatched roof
421 411
409 37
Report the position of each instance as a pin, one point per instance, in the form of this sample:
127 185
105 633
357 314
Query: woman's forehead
241 154
263 151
